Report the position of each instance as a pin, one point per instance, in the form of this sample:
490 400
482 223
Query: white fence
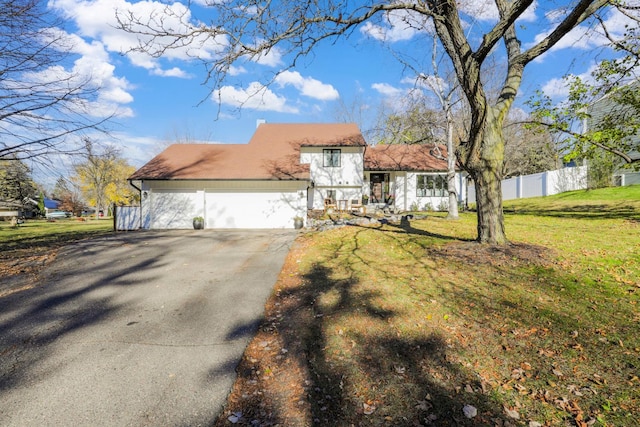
127 218
629 178
540 184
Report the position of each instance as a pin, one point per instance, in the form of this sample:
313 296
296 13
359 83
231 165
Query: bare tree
251 29
41 105
528 149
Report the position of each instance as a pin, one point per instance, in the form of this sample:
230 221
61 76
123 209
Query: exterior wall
403 185
346 180
318 194
223 204
629 178
127 217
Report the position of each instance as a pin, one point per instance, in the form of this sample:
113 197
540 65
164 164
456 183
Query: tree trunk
453 195
489 205
451 171
486 172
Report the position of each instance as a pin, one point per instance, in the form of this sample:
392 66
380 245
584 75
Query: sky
163 100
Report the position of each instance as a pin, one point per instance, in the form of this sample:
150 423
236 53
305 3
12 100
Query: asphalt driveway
136 329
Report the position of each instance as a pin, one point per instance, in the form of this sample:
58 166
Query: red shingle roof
401 157
273 153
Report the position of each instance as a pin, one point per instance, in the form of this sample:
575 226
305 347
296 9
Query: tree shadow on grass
586 210
405 227
382 377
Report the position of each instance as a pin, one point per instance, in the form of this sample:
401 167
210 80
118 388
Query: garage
173 209
224 204
251 209
254 204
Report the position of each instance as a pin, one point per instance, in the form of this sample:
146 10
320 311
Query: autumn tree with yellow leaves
102 177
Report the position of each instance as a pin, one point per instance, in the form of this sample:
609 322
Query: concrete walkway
136 329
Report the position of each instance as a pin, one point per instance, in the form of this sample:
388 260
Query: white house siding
223 204
403 185
346 180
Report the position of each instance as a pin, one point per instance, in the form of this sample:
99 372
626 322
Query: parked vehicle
56 215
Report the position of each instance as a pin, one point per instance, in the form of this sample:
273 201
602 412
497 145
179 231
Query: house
285 170
618 110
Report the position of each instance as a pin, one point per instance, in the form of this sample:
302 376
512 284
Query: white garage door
252 209
175 208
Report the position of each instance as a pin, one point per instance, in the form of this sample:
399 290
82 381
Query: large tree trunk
486 172
489 205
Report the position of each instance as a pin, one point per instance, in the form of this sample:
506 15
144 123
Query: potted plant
198 223
298 222
365 200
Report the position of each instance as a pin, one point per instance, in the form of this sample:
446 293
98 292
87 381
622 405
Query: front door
379 187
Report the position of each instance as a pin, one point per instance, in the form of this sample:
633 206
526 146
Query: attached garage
223 204
250 209
173 208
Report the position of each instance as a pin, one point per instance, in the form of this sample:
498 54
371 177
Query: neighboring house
624 115
17 209
10 209
283 171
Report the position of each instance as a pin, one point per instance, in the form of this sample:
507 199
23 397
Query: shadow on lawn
402 380
583 211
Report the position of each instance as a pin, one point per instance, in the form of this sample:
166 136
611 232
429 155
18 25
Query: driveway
136 329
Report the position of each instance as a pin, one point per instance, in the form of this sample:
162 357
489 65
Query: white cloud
428 82
308 86
236 71
255 97
172 72
387 90
486 10
91 71
98 20
585 37
558 87
271 58
400 25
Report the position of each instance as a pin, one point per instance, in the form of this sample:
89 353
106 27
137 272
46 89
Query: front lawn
418 325
25 249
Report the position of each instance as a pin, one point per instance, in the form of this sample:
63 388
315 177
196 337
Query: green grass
606 203
34 234
419 321
23 247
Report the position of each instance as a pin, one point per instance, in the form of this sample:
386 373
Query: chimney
260 122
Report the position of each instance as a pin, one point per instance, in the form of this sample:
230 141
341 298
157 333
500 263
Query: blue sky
161 100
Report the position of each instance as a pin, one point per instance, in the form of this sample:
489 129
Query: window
331 157
431 186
